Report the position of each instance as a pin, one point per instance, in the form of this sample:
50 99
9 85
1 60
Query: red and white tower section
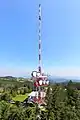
40 80
40 18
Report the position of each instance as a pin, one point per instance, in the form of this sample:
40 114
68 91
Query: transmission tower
40 80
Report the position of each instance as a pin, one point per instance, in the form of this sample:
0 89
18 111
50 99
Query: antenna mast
40 80
40 18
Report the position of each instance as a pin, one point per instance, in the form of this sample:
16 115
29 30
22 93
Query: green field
20 98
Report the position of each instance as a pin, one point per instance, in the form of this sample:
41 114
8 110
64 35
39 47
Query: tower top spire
39 68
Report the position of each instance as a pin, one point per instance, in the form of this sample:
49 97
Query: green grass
20 98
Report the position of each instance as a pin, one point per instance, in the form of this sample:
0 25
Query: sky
60 37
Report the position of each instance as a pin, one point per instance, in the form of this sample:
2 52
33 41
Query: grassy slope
20 98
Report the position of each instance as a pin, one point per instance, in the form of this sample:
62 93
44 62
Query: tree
12 112
50 114
63 104
6 97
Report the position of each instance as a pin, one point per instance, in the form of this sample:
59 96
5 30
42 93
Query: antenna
40 79
39 68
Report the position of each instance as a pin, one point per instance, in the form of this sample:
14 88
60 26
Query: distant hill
53 79
56 79
8 77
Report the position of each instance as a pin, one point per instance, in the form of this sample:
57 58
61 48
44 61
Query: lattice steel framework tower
40 80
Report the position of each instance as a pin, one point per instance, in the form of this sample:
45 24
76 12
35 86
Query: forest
62 101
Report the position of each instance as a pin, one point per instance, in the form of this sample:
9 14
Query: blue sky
60 37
